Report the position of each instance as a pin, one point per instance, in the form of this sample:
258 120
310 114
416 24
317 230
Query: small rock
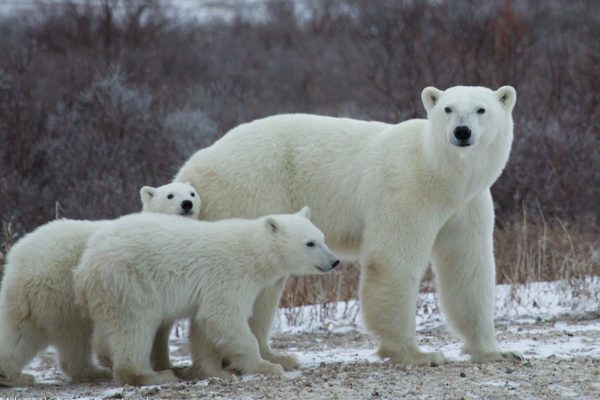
463 375
150 392
114 396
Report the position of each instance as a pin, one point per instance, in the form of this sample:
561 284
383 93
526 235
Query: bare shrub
190 130
536 249
98 98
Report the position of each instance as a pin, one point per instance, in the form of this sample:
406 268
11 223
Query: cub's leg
131 344
234 341
75 355
207 361
265 309
19 344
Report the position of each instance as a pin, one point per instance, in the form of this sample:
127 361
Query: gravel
561 362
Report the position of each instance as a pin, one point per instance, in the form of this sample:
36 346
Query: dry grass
530 249
535 249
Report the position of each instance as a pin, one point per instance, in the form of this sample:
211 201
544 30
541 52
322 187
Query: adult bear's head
469 116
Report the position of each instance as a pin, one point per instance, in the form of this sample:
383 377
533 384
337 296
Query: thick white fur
210 272
398 195
37 305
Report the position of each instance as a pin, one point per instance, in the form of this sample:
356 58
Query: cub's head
299 244
466 116
174 198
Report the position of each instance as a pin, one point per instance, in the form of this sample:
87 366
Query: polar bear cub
37 306
210 272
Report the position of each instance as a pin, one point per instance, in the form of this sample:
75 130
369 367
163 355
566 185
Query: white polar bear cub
210 272
37 304
398 195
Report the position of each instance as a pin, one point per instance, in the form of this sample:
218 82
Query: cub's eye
481 111
170 196
193 194
448 110
310 244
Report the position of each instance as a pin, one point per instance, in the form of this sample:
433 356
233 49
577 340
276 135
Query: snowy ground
558 333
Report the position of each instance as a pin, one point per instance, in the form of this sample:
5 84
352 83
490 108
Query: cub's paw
414 357
18 380
269 368
127 376
187 373
289 362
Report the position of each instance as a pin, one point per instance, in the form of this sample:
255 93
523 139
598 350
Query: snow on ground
557 332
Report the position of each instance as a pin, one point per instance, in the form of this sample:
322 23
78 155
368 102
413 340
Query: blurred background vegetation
98 98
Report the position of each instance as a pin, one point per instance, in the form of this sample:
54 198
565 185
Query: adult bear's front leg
393 261
466 277
261 321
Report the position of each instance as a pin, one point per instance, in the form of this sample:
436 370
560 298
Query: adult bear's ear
430 97
305 212
147 193
507 96
272 225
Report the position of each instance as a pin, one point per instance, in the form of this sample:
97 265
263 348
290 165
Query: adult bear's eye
310 244
170 196
448 110
481 111
193 195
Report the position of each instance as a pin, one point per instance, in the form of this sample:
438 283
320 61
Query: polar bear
37 307
210 272
398 196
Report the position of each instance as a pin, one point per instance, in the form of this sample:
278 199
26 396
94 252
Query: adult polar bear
399 195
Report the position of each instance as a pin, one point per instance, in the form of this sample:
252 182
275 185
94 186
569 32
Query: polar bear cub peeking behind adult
210 272
37 300
175 199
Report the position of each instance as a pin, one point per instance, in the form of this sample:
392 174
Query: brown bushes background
97 99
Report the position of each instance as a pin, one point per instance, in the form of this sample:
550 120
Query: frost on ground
557 333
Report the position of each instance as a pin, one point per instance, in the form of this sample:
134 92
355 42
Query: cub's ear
507 96
272 226
305 212
430 97
147 193
188 183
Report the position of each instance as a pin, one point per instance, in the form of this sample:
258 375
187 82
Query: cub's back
50 247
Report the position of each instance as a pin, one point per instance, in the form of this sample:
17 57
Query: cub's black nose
335 263
187 205
462 133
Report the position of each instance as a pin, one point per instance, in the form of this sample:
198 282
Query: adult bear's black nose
335 263
187 205
462 133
